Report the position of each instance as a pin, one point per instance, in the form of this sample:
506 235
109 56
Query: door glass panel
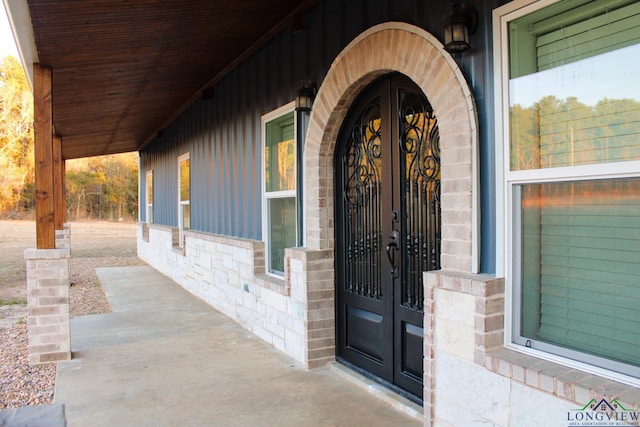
362 171
420 191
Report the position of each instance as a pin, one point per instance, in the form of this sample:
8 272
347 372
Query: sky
7 44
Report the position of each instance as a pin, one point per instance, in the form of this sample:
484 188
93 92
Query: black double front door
387 229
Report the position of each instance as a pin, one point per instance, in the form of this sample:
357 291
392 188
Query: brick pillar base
312 281
48 305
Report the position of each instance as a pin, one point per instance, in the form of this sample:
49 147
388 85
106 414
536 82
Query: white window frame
271 195
149 197
507 182
182 203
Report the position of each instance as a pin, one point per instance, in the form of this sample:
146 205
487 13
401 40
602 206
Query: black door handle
391 247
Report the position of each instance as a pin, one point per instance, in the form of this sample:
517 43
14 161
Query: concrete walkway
165 358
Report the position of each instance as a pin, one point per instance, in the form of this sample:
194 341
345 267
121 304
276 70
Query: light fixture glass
304 98
456 34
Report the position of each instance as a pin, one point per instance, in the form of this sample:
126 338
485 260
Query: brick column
321 321
48 305
312 281
487 294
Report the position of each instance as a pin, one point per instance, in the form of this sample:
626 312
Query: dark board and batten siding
222 134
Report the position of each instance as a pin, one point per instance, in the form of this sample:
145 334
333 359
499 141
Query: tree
16 135
104 188
121 186
97 188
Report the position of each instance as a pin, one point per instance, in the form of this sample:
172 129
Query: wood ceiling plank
112 60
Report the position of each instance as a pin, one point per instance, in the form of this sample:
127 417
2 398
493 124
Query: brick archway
410 50
417 54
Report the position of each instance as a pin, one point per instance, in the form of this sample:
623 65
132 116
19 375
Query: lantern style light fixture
304 97
459 26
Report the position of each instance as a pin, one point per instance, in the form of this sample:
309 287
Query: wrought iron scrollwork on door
362 165
419 141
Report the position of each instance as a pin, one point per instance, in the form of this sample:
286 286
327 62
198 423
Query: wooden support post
43 136
64 191
47 267
58 184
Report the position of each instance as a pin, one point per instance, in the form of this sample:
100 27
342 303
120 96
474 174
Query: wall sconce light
459 26
304 97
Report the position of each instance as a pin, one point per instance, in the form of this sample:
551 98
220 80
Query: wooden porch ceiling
122 70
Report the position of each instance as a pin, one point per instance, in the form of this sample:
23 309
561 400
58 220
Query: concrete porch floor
165 358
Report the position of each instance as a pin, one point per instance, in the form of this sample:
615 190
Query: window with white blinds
582 286
573 119
576 99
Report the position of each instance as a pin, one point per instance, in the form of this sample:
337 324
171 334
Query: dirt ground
88 240
93 244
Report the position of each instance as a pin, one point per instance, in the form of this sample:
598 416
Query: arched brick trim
420 56
417 54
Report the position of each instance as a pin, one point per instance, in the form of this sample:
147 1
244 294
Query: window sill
175 241
280 285
145 231
559 380
179 250
272 283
